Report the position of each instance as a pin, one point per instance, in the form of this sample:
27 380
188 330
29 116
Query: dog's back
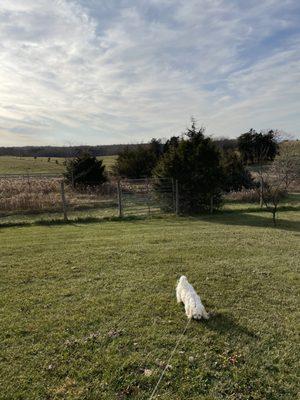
186 293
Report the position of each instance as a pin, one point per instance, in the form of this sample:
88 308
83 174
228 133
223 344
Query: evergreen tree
196 163
257 148
85 170
236 176
138 162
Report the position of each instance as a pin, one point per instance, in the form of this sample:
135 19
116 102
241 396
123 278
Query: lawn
24 165
88 310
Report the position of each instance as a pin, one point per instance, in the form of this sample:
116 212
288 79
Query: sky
122 71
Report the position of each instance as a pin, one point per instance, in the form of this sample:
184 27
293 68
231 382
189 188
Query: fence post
176 198
261 192
63 198
120 206
211 204
148 196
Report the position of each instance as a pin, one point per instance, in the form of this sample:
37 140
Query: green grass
24 165
109 161
86 308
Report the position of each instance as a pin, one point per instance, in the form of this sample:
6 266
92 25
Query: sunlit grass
24 165
87 307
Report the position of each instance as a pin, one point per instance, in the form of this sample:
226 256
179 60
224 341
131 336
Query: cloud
124 71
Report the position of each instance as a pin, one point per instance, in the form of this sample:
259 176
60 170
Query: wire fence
41 196
146 196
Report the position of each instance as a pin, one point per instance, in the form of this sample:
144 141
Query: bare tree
260 149
279 176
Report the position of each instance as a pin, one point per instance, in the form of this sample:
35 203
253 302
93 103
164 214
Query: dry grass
244 196
249 196
42 194
33 194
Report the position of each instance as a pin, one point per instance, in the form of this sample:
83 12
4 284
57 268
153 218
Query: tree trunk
261 193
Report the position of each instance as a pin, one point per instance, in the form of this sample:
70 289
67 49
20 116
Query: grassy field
24 165
88 310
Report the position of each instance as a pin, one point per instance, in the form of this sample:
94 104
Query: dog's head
201 315
197 316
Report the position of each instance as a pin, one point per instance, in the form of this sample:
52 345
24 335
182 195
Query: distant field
23 165
88 310
108 161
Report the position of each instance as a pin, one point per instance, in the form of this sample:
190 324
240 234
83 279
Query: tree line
96 151
64 151
203 168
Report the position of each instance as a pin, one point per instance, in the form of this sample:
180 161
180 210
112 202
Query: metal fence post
176 198
120 206
63 198
148 196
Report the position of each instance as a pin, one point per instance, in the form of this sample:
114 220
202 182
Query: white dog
186 294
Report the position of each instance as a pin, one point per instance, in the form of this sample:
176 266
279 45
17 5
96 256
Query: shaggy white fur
186 294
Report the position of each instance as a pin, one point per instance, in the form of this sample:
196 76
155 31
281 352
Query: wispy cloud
125 71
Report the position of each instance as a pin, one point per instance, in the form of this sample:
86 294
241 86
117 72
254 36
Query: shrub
85 170
236 176
138 162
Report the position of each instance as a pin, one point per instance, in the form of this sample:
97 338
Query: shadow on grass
257 209
75 221
259 221
224 324
242 217
246 217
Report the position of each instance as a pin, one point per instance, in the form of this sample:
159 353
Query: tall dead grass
43 194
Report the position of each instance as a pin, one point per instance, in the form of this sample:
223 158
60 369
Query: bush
138 162
236 176
195 162
85 170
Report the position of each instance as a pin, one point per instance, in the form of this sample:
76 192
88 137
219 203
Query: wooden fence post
120 206
63 198
176 198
